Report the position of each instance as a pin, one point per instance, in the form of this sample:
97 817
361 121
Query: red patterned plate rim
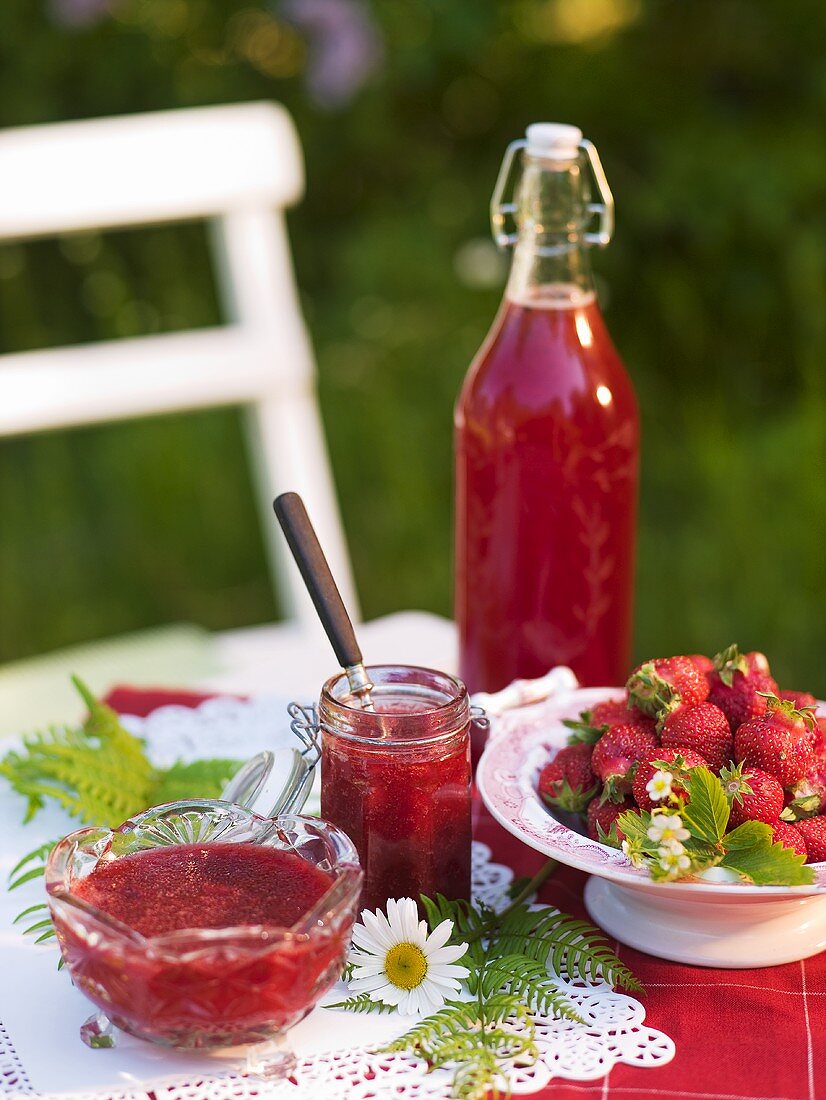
521 741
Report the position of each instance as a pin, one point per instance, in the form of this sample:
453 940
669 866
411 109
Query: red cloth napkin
740 1034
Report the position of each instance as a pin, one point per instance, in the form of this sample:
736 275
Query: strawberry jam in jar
397 780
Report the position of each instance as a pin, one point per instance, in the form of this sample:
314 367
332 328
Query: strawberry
568 782
753 794
808 796
801 699
591 724
777 742
703 663
603 815
681 759
735 685
819 737
661 686
615 752
789 836
813 832
703 728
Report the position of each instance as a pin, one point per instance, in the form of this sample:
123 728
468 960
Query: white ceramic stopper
553 139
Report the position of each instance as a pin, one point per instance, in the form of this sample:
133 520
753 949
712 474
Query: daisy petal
451 969
392 995
408 926
374 967
364 939
447 954
368 983
444 983
378 927
439 937
363 958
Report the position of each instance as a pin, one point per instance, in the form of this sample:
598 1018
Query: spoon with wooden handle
315 571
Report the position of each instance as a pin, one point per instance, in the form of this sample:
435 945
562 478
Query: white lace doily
40 1011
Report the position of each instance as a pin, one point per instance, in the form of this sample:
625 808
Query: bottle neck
551 263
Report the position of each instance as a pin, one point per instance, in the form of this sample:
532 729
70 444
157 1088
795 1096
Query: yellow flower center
405 965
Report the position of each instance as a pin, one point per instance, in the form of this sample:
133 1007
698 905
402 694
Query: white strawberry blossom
672 845
673 861
665 828
659 785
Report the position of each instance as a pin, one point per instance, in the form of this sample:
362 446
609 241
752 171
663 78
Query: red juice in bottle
547 445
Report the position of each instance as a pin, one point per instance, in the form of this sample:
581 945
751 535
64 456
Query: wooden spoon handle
306 549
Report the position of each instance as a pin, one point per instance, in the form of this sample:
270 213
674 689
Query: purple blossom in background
79 13
345 46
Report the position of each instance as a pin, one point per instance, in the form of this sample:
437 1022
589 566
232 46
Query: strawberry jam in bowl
201 924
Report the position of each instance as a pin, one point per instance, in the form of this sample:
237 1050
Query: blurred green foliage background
710 118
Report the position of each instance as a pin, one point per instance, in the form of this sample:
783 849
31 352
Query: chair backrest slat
238 167
140 169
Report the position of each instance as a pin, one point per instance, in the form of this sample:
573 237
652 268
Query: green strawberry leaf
747 835
572 799
610 838
582 731
707 812
702 854
614 790
767 864
734 785
635 826
729 661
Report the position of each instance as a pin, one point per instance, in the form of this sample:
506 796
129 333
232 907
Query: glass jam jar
397 781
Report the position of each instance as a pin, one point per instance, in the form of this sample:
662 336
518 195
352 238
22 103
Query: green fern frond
99 773
92 783
512 958
40 907
469 1037
39 855
103 724
570 947
38 926
468 923
204 778
18 876
530 983
362 1003
455 1021
479 1080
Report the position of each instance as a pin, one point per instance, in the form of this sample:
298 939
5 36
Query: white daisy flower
666 827
395 961
659 785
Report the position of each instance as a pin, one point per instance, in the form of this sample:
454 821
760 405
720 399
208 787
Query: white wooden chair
237 167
